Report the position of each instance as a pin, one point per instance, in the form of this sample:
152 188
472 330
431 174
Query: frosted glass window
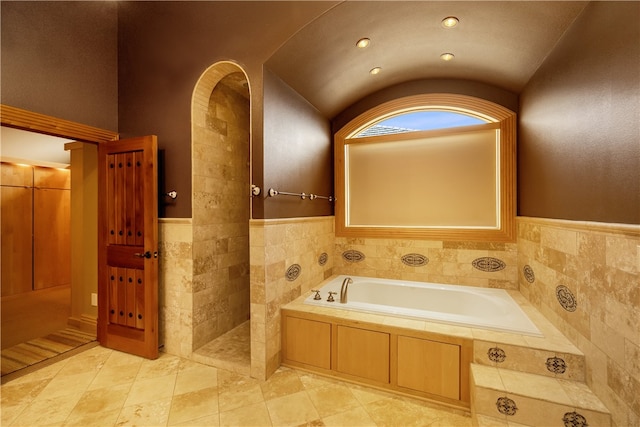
447 180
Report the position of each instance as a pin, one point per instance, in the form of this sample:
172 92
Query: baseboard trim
84 323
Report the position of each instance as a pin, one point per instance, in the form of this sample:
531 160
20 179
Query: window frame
486 110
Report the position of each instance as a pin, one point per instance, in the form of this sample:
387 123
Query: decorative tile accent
496 354
528 274
574 419
322 260
293 272
353 256
556 365
488 264
414 260
566 298
506 406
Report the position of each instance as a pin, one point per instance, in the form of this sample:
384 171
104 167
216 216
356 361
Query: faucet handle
331 294
317 295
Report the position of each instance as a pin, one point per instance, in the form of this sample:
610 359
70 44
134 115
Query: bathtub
469 306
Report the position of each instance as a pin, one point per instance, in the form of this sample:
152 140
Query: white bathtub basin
469 306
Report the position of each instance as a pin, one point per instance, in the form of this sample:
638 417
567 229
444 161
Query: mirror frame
507 120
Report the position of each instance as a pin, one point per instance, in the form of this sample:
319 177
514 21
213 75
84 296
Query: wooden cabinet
307 342
362 353
16 228
51 237
414 362
36 222
429 366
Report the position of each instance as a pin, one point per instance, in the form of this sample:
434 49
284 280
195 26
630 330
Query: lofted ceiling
496 43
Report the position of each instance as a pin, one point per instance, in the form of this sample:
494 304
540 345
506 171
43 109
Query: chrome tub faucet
344 288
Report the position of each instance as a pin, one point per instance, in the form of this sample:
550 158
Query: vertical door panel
16 209
139 307
51 237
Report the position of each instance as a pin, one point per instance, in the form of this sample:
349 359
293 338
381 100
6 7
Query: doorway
221 213
68 304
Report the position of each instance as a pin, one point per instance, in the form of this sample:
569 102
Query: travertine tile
535 386
393 411
487 377
100 400
281 383
195 378
111 375
152 413
18 392
292 409
150 390
193 405
332 399
48 411
251 415
240 395
107 418
353 417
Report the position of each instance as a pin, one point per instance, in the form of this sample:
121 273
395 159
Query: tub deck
351 345
552 339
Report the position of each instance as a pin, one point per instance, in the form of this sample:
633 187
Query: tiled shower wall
221 210
584 277
175 285
288 258
442 262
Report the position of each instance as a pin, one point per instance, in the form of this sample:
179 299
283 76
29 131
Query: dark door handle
147 254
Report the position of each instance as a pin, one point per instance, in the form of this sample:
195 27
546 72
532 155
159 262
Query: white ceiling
19 146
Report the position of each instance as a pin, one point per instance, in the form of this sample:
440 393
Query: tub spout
344 288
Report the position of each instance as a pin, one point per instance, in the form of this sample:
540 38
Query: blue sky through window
428 120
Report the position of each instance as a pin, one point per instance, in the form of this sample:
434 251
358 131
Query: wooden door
128 246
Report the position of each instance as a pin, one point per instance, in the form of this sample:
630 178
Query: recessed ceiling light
447 56
375 71
450 22
363 42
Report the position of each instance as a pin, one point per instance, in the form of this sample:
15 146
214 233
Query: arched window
428 166
414 121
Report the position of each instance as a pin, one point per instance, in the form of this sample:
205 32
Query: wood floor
34 314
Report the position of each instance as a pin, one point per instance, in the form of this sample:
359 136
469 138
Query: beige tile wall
276 245
599 264
449 262
175 285
221 210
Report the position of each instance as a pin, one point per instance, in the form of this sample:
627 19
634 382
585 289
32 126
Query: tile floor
102 387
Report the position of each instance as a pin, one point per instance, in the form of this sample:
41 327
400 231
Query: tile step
568 365
522 398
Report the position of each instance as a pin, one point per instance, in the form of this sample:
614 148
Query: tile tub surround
446 262
599 265
523 353
275 246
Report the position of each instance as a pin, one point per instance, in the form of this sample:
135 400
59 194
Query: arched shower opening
221 212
